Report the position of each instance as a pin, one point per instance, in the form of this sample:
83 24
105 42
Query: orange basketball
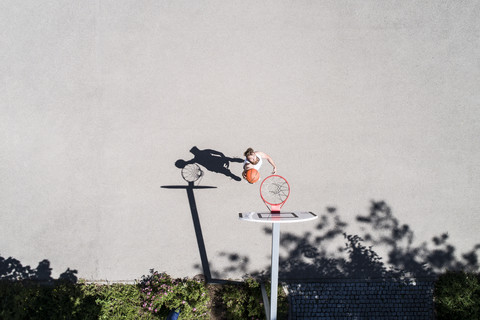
252 175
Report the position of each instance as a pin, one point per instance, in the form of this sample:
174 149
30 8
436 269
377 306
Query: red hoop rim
274 206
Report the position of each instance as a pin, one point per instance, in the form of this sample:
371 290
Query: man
253 160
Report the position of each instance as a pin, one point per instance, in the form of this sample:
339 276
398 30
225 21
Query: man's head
251 156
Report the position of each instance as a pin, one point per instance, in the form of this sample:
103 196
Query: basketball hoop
274 191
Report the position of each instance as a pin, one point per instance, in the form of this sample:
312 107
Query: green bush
152 298
244 301
161 293
457 296
64 300
58 300
116 301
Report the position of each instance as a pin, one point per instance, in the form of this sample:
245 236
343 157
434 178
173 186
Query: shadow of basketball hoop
191 173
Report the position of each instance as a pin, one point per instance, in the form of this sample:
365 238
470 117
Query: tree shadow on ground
212 160
317 255
426 259
12 269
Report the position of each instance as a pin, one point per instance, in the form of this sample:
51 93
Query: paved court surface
355 101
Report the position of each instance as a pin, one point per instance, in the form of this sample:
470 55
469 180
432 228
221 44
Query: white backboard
282 217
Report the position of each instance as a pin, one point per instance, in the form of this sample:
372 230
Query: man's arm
269 159
215 152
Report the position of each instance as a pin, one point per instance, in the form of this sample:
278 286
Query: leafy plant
116 301
457 296
161 293
57 300
244 301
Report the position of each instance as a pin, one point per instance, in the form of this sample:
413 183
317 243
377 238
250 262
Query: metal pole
266 302
274 281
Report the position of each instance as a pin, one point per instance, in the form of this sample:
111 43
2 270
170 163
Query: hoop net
274 191
192 172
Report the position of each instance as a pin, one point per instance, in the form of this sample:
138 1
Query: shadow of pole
197 226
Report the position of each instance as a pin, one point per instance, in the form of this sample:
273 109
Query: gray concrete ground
355 101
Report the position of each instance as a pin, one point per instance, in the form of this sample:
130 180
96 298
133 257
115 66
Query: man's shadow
211 160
